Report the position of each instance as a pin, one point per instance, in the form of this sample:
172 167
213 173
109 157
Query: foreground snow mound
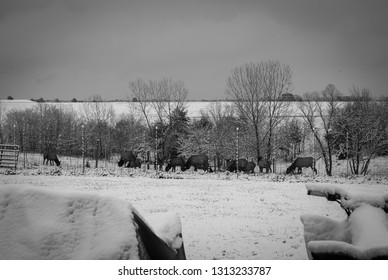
40 224
324 228
168 227
364 235
324 189
349 199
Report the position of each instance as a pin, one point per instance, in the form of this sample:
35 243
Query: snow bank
322 189
355 199
367 229
323 228
168 227
349 199
36 223
364 235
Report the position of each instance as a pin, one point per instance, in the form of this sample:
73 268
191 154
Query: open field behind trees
194 108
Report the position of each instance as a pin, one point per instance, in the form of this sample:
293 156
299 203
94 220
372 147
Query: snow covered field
194 108
223 217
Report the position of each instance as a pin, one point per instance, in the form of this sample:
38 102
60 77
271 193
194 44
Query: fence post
156 148
83 149
97 148
208 149
237 152
143 153
347 153
314 142
14 134
106 158
273 166
24 145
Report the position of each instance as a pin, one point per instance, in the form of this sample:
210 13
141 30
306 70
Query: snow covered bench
38 223
364 235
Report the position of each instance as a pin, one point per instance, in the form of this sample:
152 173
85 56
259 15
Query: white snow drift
37 223
221 217
364 235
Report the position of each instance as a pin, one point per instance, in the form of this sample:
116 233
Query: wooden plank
7 163
9 148
8 166
7 156
8 160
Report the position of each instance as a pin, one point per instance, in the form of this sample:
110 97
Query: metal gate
9 155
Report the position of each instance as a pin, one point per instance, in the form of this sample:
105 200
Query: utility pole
14 134
156 147
83 148
237 150
314 163
347 153
97 151
208 149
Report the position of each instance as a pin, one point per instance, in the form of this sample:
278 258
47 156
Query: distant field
194 108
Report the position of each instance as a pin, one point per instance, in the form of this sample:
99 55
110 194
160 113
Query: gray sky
79 48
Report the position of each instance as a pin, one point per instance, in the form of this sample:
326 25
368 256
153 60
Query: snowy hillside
194 108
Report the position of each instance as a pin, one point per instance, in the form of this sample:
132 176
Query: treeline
285 97
255 125
51 126
359 127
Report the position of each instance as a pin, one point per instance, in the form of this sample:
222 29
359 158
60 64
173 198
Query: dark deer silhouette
52 157
302 162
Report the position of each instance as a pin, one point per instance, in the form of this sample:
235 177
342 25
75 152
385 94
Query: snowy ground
223 217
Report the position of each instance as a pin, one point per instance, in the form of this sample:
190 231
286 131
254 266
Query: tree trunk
269 144
257 143
364 170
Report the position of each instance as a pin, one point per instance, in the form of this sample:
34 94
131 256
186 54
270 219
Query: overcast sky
79 48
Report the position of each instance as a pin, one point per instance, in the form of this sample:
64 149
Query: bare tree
277 81
221 115
42 127
290 138
98 111
51 121
128 134
140 100
166 96
99 117
319 111
246 89
158 98
362 124
219 110
255 89
161 99
157 103
221 141
175 94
